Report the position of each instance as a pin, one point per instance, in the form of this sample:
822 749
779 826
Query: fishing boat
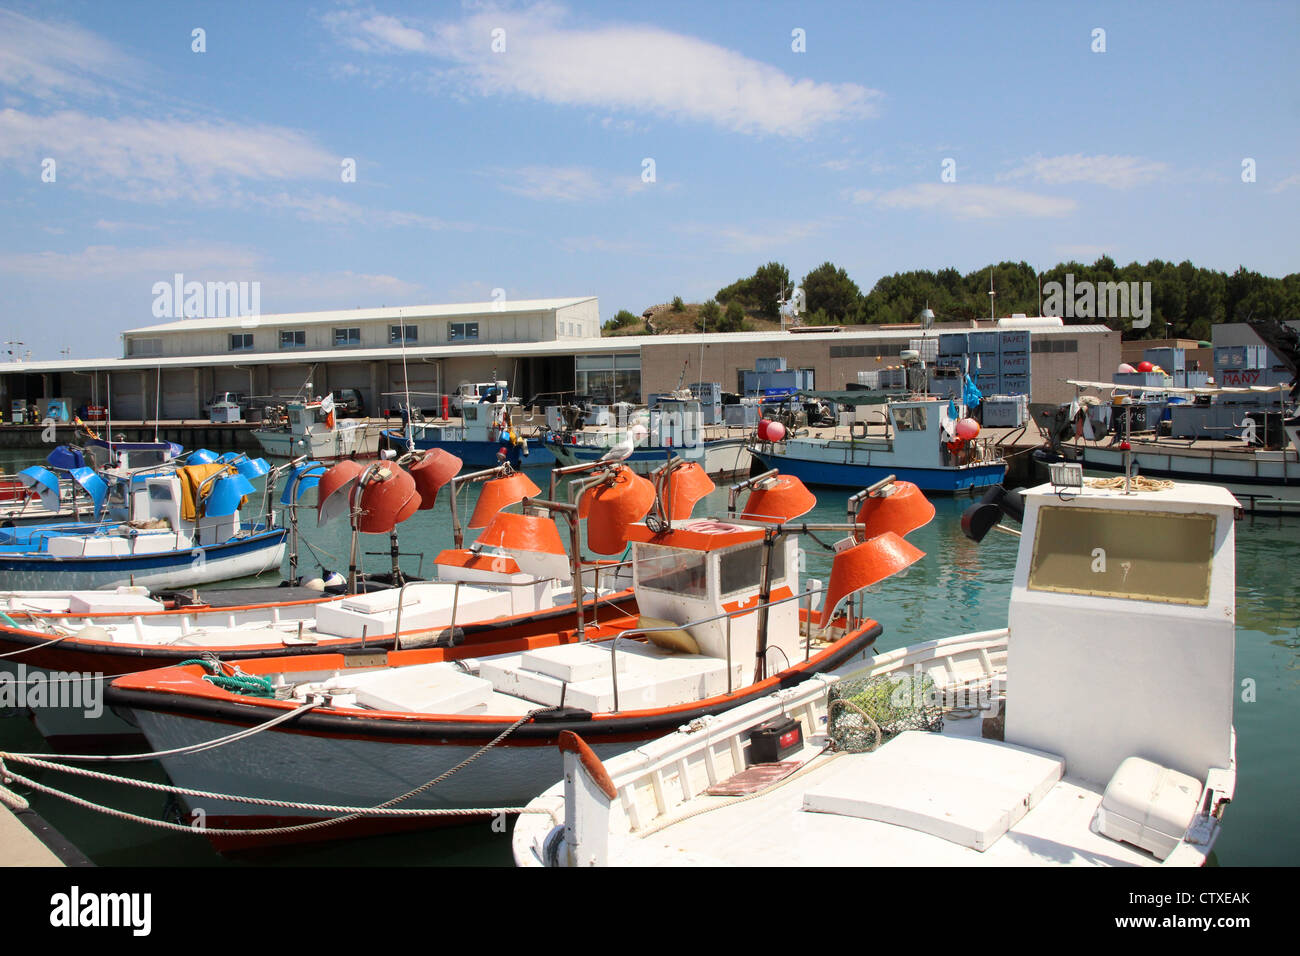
1095 730
672 427
313 430
489 431
930 442
154 527
481 592
723 620
1259 462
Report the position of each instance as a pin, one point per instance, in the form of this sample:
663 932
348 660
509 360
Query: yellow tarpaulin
192 477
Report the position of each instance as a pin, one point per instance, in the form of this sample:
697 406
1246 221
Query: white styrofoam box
427 605
420 688
965 790
110 602
101 546
1148 805
648 676
572 662
155 542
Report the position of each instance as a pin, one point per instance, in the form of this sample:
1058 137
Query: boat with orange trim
722 620
509 584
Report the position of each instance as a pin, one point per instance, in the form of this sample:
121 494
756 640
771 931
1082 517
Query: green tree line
1186 300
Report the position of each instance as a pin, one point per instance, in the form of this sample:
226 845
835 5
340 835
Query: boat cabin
699 568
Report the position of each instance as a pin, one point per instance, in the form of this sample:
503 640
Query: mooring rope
386 808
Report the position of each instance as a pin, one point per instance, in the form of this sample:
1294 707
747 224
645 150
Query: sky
350 155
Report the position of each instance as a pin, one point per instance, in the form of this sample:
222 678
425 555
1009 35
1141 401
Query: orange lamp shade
904 510
866 564
686 484
516 532
432 472
609 507
334 489
387 499
782 498
500 493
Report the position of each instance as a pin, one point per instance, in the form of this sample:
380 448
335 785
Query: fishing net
867 711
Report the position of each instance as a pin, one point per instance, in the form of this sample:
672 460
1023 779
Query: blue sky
522 168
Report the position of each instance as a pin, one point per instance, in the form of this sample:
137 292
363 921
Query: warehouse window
609 378
344 338
397 334
136 347
241 342
1055 345
865 351
293 339
462 332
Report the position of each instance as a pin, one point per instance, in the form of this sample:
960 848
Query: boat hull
244 557
477 454
946 481
371 759
333 446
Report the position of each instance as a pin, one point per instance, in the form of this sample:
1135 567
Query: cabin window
293 339
159 492
346 338
683 573
742 568
910 419
1140 555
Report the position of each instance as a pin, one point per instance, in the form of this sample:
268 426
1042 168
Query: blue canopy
301 480
66 458
92 484
226 495
45 483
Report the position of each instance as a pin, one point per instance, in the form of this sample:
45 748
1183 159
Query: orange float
432 472
334 490
686 484
500 493
781 498
516 532
866 564
902 511
609 507
387 499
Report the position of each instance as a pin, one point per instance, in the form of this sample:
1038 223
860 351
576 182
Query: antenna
992 295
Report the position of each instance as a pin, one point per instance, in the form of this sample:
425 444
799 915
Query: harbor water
958 587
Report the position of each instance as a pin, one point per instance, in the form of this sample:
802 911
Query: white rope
157 754
350 814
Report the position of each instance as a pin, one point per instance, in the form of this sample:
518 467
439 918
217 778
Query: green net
892 703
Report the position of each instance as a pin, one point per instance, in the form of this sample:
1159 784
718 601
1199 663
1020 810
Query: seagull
620 452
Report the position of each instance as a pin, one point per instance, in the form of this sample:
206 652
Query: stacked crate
1013 362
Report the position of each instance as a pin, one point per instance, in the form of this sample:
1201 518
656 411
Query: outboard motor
979 518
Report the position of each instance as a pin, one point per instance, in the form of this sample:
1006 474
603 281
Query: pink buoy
775 431
763 425
1126 368
967 428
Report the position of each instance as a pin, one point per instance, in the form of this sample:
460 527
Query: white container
1148 805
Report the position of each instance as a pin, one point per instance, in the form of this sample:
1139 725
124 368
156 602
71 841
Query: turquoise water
958 587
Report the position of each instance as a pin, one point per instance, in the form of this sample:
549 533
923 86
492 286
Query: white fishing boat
312 429
481 593
1095 730
1266 478
673 427
723 620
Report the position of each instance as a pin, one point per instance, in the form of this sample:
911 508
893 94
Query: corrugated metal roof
408 312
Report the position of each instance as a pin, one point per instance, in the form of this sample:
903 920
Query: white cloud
969 201
117 261
620 67
758 237
1117 172
1293 180
567 183
161 159
47 61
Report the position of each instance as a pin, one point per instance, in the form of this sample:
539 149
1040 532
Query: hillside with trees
1187 300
